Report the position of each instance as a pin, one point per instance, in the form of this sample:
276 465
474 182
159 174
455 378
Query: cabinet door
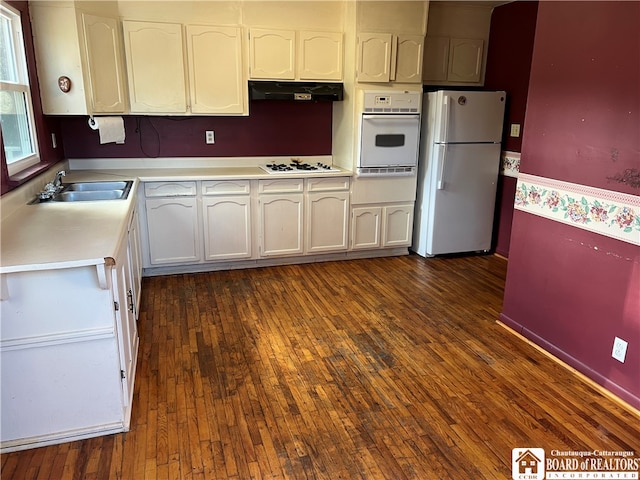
135 262
56 44
436 59
216 80
155 67
126 327
465 60
374 57
173 230
319 56
281 224
327 222
365 227
409 59
397 225
272 54
104 63
227 227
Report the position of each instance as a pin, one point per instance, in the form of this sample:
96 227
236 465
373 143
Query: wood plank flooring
390 368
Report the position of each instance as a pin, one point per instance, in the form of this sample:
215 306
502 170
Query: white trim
62 437
89 335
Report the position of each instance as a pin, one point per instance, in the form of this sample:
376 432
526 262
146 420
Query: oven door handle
391 117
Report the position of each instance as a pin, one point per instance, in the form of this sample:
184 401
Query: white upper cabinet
409 58
85 48
272 54
106 77
155 66
320 56
158 69
436 54
455 47
216 79
374 57
465 60
386 57
295 55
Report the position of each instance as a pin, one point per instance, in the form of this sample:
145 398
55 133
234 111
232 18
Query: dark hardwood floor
391 368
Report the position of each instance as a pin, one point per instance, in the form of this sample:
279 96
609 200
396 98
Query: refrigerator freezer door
461 203
468 117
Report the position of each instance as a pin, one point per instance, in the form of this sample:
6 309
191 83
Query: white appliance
458 171
389 133
296 167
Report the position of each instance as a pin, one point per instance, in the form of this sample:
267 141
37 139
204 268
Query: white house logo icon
527 464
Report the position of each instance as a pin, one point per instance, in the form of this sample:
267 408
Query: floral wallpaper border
609 213
510 164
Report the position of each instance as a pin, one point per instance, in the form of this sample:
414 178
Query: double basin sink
90 191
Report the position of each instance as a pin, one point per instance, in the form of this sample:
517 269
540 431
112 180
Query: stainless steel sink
94 186
85 196
89 191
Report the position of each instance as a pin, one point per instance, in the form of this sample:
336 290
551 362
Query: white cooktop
298 168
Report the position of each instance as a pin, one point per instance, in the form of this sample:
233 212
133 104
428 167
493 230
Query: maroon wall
513 28
273 128
569 290
508 66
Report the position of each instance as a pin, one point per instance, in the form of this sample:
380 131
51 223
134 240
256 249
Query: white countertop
55 235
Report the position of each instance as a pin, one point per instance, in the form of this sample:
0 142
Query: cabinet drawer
280 185
226 187
327 184
170 189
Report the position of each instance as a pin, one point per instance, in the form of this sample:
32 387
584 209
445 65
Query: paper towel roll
111 129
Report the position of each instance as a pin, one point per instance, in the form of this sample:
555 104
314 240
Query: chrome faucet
51 188
57 181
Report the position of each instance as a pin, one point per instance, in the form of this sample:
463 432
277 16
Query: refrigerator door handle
442 156
446 106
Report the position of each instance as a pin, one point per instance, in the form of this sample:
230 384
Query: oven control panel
392 102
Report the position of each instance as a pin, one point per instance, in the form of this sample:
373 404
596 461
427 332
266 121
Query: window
16 109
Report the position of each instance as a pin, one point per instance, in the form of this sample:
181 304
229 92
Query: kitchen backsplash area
272 128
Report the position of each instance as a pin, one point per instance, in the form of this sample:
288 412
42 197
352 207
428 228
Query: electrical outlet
619 349
515 129
54 142
209 138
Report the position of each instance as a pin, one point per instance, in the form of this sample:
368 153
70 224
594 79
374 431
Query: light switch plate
515 129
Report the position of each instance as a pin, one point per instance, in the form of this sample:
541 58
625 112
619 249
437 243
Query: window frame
23 86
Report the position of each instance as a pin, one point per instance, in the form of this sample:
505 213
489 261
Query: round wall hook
64 84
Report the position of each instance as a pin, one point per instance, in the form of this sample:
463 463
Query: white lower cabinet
303 216
68 350
397 225
173 222
226 217
281 223
365 227
327 222
197 222
381 226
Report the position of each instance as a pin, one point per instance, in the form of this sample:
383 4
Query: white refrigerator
458 168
